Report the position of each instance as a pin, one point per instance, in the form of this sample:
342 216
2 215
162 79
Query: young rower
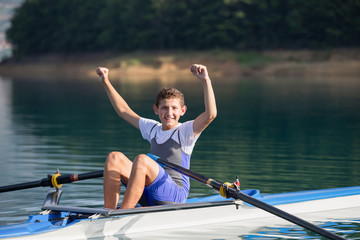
146 181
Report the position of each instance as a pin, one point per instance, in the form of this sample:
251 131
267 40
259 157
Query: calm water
277 135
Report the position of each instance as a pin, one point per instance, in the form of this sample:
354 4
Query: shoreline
225 64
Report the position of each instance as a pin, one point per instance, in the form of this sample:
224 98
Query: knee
115 159
141 161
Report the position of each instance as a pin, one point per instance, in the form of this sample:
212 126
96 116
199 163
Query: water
277 135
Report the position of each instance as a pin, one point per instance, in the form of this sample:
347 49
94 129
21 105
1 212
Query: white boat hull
150 222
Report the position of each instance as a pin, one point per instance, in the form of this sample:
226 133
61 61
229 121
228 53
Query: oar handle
69 178
236 194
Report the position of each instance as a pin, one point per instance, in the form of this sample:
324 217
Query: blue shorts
163 191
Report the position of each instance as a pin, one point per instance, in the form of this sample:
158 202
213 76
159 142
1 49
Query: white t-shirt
186 132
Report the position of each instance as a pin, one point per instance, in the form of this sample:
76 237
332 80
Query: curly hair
168 93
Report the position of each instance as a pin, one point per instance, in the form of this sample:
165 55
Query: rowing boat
59 222
69 222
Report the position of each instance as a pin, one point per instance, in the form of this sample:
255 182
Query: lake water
277 135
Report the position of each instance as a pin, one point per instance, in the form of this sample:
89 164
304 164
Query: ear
183 110
156 109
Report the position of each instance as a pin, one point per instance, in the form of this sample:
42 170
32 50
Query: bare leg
143 173
117 168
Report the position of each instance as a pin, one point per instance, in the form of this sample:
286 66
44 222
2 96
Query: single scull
69 222
64 222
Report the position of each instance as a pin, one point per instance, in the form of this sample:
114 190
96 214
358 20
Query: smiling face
169 110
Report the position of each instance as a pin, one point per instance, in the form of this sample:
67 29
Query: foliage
66 26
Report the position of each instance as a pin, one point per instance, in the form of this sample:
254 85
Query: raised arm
119 104
205 118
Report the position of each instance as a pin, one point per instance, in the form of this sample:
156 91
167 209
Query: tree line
67 26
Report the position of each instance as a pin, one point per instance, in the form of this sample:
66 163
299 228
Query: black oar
234 193
52 181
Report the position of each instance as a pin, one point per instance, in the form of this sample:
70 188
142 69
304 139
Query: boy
145 179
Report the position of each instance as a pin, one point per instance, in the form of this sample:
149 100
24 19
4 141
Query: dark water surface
277 135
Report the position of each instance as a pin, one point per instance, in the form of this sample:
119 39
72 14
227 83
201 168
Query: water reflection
5 121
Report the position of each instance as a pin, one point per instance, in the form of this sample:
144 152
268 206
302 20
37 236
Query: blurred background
260 37
79 26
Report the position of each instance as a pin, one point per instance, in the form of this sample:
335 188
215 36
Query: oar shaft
46 182
194 175
253 201
280 213
41 183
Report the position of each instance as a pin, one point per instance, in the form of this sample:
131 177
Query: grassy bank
221 63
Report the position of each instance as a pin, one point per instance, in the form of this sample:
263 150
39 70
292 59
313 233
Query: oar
234 193
52 181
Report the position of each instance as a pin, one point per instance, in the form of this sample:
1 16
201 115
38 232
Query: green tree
67 26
